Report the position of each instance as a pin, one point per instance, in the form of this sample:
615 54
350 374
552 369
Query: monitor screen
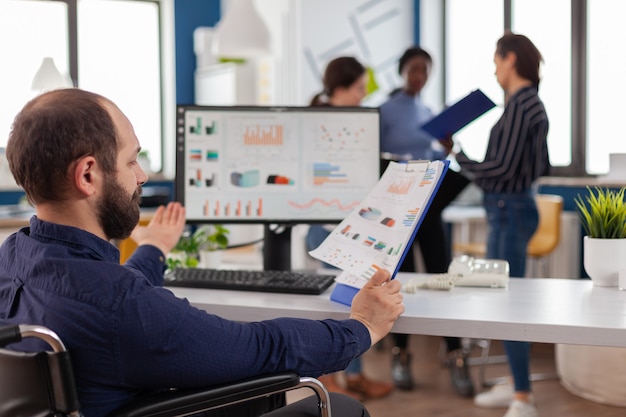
275 166
267 165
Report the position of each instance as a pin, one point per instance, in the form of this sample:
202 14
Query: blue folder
459 115
343 293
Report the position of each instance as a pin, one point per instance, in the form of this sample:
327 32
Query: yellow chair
128 245
548 234
543 242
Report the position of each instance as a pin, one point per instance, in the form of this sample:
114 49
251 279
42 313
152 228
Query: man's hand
164 229
378 304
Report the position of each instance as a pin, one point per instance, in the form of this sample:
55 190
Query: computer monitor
274 166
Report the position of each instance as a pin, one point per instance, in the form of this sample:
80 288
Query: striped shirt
517 152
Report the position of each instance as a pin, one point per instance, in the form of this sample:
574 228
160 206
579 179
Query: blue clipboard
343 293
459 115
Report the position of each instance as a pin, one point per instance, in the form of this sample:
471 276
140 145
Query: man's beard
117 211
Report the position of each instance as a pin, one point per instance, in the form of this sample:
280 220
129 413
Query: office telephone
466 271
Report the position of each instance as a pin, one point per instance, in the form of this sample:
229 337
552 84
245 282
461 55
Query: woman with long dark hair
345 84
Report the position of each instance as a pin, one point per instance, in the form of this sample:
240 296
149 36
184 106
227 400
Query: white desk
538 310
469 222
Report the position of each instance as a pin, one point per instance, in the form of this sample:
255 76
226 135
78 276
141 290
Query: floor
434 396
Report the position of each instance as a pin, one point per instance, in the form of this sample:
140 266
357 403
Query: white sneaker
521 409
499 396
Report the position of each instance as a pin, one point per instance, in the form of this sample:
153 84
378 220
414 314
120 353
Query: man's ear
86 175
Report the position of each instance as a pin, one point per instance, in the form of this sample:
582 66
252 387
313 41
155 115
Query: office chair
548 235
42 384
542 243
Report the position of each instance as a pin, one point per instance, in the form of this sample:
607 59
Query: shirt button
501 203
161 259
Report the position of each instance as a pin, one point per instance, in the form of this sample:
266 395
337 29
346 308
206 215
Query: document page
379 232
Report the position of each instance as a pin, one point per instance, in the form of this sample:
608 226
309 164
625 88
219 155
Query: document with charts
379 232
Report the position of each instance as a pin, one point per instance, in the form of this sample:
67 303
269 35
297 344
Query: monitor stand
277 247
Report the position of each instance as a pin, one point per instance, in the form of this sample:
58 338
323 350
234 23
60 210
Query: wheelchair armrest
188 401
9 334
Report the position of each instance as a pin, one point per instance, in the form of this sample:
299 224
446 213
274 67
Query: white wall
376 33
306 34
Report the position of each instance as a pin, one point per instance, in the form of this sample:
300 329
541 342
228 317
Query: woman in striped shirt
516 156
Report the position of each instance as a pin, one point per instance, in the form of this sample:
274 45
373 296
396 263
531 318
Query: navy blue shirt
401 118
128 335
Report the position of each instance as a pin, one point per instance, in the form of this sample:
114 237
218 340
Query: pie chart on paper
370 213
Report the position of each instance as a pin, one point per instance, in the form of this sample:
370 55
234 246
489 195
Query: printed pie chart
370 213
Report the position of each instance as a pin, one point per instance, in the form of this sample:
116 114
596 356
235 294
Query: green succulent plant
603 213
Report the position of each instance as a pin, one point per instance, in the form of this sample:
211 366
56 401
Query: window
605 86
118 55
550 31
121 62
469 64
30 31
580 74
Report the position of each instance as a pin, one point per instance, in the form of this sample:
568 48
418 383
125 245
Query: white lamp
242 33
48 77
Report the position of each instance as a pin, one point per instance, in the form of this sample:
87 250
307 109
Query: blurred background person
402 138
345 84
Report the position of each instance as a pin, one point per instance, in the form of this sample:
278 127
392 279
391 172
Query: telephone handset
466 271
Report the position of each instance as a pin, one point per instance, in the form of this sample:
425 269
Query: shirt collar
73 237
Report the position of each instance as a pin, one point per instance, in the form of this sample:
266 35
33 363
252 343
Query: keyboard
250 280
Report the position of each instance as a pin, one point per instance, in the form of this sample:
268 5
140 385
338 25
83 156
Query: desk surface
539 310
598 181
462 214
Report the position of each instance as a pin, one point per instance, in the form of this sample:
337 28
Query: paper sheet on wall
379 232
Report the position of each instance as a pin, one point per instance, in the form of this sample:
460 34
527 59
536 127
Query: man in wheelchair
75 154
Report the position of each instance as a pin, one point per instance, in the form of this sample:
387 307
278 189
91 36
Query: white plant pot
604 259
210 259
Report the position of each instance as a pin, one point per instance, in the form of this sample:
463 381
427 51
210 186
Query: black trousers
432 239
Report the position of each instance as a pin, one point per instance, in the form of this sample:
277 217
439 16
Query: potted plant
200 248
603 216
185 253
211 237
211 240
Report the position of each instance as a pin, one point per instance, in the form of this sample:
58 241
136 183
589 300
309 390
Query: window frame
166 64
578 68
